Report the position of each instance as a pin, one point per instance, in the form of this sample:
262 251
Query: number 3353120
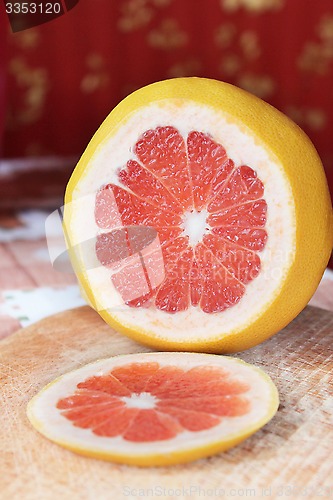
33 8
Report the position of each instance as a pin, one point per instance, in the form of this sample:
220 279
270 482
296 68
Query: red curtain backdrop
3 54
65 76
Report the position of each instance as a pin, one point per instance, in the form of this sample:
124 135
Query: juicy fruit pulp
209 216
155 408
203 206
146 402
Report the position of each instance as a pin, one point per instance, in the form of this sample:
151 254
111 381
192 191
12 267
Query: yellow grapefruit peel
38 412
285 142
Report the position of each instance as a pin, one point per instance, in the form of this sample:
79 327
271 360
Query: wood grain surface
291 457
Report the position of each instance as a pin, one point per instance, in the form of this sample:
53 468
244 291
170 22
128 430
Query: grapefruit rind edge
314 218
145 459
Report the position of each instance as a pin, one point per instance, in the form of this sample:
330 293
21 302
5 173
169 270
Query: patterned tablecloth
31 289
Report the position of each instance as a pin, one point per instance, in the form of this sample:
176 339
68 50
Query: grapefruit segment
139 180
197 382
215 172
112 248
162 151
164 378
222 176
242 186
219 288
253 239
223 406
191 420
107 213
177 407
109 384
151 425
80 400
136 375
251 214
133 210
206 159
132 283
115 423
90 416
241 263
174 294
195 284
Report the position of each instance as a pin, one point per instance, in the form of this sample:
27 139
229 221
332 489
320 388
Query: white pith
195 226
48 420
244 149
144 401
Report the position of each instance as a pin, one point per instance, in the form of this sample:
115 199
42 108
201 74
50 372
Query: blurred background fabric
65 76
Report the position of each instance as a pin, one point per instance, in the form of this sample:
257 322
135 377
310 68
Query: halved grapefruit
198 218
155 408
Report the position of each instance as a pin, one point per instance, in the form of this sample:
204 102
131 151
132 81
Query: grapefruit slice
155 408
198 218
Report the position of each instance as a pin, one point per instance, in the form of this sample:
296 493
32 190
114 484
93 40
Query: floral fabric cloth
31 289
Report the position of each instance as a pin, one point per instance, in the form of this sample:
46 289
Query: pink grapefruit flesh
155 408
145 402
207 263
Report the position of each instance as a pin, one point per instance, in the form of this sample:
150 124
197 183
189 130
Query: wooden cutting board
292 456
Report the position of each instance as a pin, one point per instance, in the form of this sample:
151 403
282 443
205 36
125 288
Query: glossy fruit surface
155 408
208 217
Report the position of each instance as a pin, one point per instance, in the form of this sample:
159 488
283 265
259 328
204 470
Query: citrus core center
195 225
144 401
